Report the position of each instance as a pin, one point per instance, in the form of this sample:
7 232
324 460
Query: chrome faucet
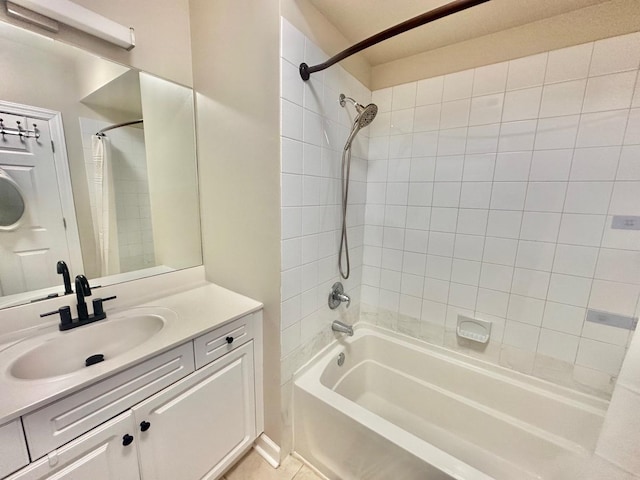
337 296
338 326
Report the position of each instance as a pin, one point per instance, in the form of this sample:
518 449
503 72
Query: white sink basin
62 353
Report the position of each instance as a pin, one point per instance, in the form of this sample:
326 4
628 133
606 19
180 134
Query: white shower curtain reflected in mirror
104 220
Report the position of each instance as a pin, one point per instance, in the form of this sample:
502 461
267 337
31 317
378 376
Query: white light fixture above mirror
76 16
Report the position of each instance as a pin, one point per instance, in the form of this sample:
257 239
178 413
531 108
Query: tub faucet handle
337 296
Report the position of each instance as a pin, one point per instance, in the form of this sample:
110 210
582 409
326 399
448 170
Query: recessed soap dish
474 329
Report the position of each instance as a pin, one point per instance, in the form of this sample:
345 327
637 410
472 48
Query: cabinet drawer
214 344
13 449
66 419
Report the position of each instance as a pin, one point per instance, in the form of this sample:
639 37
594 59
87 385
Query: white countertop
199 309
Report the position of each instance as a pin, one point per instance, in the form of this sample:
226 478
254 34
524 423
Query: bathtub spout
340 327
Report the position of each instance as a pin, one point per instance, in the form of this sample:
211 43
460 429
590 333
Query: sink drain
93 359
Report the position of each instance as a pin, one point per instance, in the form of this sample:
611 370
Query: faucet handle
337 296
65 316
98 309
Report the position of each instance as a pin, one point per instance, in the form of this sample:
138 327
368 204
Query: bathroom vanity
185 403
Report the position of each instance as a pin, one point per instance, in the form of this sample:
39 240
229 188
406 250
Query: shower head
364 118
365 114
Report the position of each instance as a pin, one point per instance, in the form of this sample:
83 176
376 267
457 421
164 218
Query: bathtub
402 409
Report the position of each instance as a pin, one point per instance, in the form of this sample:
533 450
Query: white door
198 427
30 247
100 454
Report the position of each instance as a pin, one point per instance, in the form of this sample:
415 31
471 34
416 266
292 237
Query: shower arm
428 17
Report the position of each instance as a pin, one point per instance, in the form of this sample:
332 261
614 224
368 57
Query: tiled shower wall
490 193
313 133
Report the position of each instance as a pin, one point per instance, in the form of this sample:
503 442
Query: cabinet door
200 425
97 455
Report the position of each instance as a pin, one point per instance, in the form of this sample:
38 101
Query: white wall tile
578 229
609 92
618 265
452 141
429 91
569 289
458 85
508 195
404 96
483 139
469 247
490 79
427 118
600 356
449 168
625 198
570 63
563 318
436 290
401 121
527 72
517 136
475 195
500 250
564 98
602 129
512 166
492 302
521 335
472 221
588 197
530 283
486 109
504 223
478 167
382 98
455 114
557 132
535 255
540 226
575 260
558 345
292 43
545 196
465 271
525 309
443 219
614 297
616 54
522 104
496 277
551 165
599 163
632 135
463 296
291 120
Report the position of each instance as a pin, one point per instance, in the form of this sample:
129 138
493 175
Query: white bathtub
402 409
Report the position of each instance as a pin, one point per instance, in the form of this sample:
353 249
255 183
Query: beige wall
236 77
168 115
161 29
580 26
306 18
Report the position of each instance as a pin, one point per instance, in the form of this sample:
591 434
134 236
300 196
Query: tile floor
254 467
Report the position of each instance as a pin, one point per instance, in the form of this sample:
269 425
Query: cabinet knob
144 426
127 440
229 339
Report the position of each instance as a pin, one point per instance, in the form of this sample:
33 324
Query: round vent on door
12 203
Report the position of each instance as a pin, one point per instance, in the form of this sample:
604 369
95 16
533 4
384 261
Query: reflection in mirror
97 169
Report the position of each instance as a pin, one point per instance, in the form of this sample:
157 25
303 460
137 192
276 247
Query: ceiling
358 19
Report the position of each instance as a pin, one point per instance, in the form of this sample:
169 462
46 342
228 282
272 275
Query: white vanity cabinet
196 428
107 452
192 428
13 448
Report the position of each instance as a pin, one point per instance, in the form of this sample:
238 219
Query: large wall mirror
97 169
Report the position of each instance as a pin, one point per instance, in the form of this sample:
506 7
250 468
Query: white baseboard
267 449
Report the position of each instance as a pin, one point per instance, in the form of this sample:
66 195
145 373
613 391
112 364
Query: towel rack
428 17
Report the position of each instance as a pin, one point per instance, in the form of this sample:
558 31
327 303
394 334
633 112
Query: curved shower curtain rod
428 17
118 125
